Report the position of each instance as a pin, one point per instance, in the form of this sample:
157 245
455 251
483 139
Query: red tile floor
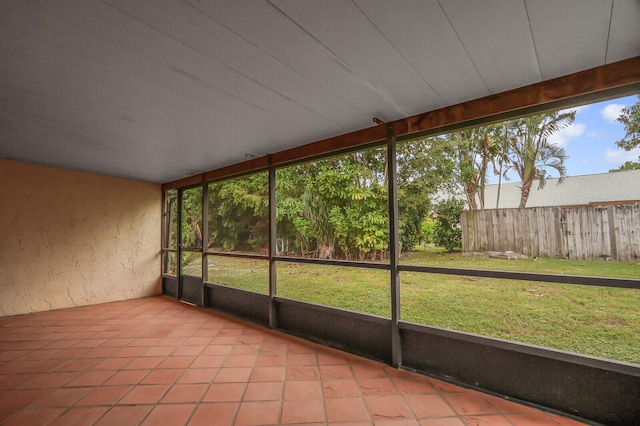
156 361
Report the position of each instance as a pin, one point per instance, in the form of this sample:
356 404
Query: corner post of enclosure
394 248
205 237
164 234
272 244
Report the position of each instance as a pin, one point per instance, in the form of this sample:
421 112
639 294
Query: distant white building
604 188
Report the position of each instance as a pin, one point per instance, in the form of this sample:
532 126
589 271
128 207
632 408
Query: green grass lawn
598 321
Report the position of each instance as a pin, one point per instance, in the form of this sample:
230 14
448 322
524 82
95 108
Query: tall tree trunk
524 194
196 225
483 167
504 148
499 186
471 196
386 172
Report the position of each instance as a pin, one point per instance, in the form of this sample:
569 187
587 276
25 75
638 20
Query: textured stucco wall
69 238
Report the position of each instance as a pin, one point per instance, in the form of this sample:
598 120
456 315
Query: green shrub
428 229
413 206
447 232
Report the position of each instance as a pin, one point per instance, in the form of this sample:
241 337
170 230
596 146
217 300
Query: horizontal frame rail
507 275
333 262
527 276
237 255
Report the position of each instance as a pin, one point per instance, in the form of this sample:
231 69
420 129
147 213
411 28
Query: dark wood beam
327 146
596 80
184 182
238 168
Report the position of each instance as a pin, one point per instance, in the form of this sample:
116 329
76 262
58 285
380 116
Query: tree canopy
630 118
531 154
338 207
628 165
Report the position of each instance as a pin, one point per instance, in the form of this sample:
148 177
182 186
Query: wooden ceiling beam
539 95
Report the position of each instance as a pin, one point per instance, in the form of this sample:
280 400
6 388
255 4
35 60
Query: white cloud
611 112
565 135
619 156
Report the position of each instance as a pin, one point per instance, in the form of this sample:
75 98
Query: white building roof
573 191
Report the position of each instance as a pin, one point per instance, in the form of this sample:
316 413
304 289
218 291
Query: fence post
612 231
561 237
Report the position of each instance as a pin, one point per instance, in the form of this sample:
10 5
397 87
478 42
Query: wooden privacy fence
588 232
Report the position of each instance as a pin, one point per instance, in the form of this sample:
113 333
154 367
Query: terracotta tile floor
157 361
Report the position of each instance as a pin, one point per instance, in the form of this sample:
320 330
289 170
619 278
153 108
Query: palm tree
493 143
466 150
532 154
506 136
476 148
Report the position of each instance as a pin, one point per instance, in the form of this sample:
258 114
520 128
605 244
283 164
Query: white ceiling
154 89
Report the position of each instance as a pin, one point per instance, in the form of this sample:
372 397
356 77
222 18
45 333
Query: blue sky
590 142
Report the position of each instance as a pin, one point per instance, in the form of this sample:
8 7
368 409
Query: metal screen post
164 237
205 236
394 249
272 244
179 246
